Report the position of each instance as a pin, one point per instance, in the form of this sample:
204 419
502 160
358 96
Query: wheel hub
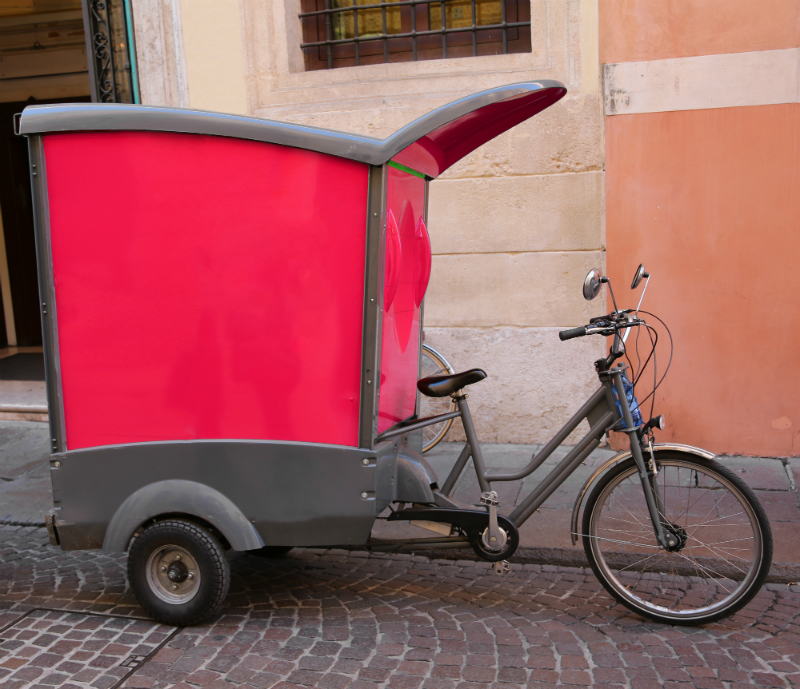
177 572
676 537
173 574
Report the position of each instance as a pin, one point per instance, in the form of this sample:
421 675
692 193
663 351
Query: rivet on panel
57 465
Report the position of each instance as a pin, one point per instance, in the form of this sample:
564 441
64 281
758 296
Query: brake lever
630 324
600 330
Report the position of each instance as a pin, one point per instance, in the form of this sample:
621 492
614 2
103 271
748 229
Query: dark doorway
17 215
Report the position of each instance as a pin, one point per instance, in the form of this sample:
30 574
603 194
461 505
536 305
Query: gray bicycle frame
599 411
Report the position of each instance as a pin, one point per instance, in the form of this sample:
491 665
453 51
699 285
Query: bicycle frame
599 411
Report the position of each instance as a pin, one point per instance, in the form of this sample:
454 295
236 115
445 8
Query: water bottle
633 403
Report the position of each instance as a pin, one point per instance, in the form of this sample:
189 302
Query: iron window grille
110 52
341 33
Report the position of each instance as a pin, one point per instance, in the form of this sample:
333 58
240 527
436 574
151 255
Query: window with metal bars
343 33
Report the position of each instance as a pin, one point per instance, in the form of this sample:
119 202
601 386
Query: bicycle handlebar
572 332
603 325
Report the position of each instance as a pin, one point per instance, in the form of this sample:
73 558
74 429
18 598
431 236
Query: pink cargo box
232 314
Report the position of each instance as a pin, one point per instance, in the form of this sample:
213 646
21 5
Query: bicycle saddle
441 386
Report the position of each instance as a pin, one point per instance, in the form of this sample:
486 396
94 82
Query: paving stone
331 619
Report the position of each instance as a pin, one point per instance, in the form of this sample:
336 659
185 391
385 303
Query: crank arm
496 539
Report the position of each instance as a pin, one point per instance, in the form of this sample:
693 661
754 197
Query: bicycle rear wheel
432 363
724 549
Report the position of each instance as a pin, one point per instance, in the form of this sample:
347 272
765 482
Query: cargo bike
232 316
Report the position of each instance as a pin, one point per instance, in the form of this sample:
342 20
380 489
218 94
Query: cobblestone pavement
351 620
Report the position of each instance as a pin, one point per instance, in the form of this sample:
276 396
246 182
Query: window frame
511 36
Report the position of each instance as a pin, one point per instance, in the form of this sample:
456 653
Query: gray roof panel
454 129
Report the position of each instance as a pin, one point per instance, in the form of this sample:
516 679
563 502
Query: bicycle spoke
712 563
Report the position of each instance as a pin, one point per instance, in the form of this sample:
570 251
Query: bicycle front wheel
724 542
432 363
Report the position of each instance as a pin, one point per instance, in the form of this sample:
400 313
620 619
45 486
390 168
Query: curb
780 572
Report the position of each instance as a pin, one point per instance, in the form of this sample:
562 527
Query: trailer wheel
178 572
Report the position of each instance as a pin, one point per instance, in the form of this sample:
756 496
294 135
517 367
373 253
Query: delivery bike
671 533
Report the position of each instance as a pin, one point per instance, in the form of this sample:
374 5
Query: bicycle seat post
460 399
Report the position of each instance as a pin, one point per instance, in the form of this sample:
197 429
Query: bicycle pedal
489 498
501 567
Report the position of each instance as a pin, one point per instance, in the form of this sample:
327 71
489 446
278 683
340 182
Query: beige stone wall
515 226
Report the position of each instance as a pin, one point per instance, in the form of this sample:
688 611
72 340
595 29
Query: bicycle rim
434 364
721 563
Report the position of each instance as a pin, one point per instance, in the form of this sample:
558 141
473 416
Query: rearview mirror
591 285
640 274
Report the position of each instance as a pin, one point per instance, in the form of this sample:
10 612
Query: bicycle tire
699 582
432 363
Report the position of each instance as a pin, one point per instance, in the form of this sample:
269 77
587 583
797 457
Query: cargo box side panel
407 269
291 493
207 288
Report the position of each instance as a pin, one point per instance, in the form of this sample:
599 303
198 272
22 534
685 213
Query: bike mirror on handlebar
640 275
591 285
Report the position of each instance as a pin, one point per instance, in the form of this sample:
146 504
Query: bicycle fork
649 487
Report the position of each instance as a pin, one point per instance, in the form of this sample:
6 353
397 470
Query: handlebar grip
572 332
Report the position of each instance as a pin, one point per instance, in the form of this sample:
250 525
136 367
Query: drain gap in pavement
85 649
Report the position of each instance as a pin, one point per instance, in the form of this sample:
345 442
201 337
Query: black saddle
441 386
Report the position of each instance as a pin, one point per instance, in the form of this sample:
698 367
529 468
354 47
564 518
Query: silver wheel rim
722 553
173 574
434 364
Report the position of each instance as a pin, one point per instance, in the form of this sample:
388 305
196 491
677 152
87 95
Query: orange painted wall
709 201
632 30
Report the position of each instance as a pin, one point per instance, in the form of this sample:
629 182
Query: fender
414 478
688 449
179 496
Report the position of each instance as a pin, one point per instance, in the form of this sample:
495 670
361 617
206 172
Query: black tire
271 551
702 580
178 572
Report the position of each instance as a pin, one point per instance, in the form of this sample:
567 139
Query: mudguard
414 480
404 477
688 449
180 497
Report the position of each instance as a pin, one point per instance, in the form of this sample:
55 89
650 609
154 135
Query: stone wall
515 226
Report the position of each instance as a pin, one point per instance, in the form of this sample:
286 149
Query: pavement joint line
147 658
133 668
19 619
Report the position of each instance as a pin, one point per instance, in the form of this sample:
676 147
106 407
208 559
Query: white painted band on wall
767 77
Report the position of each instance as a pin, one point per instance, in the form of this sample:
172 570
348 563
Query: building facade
702 165
676 145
